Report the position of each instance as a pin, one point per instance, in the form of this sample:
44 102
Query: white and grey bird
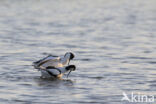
54 61
52 72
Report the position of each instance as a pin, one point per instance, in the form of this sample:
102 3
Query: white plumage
51 72
54 61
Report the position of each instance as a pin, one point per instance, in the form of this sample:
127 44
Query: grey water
114 42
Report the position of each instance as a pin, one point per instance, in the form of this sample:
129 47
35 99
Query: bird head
71 68
70 54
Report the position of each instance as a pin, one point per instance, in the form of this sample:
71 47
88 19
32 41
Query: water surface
114 42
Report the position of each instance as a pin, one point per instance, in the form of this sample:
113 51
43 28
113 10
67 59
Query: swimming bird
54 61
52 72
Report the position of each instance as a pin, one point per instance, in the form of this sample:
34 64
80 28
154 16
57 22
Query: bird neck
66 59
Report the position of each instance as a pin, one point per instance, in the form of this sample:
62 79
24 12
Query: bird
54 61
52 72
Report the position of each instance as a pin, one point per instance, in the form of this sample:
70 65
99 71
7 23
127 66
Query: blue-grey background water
114 42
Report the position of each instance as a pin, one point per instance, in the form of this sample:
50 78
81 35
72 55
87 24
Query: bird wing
48 59
53 71
61 70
